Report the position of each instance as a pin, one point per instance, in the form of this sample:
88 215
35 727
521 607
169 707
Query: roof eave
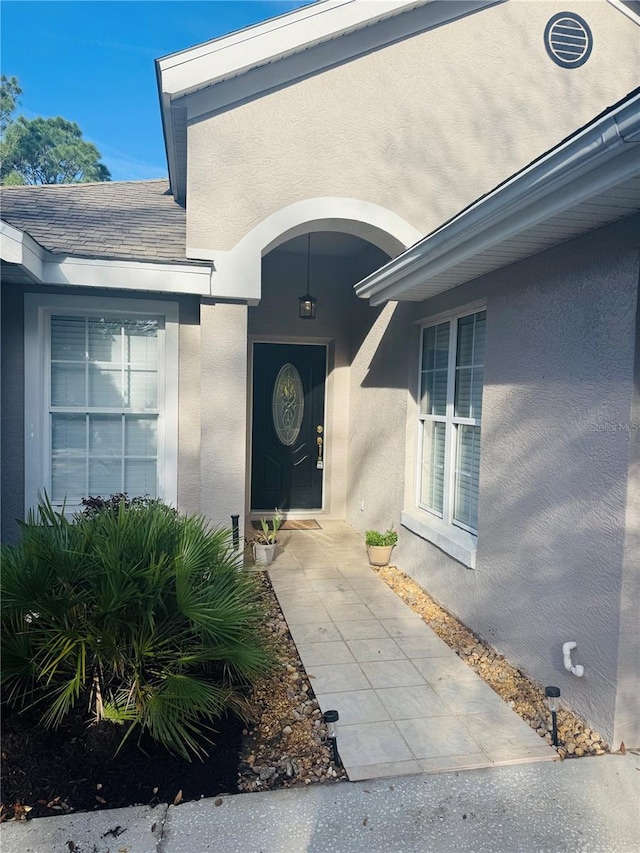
229 60
169 147
201 67
600 157
231 55
18 247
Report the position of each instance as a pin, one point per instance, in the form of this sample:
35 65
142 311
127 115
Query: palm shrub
140 613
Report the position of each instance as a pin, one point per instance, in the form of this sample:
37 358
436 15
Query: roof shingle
136 220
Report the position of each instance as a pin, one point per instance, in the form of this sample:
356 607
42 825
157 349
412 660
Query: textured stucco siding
13 384
382 366
554 479
223 382
421 127
189 425
627 720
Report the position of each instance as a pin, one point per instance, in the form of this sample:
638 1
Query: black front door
288 426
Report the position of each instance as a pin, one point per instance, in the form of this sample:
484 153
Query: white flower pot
263 554
379 555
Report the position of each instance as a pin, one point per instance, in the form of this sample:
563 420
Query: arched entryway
299 399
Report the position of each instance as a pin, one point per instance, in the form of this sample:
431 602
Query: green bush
374 537
140 613
93 505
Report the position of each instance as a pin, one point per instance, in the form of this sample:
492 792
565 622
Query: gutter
602 156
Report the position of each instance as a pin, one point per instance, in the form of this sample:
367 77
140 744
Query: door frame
290 340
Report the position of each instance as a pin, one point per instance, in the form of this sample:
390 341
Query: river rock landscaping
575 738
287 744
284 745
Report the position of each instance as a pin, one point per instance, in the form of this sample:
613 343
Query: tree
10 92
43 150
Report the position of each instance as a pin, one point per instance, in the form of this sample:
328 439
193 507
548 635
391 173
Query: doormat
293 524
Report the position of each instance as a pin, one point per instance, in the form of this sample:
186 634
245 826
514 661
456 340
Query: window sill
459 544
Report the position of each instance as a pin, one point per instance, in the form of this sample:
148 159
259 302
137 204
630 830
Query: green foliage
374 537
10 92
141 614
268 534
93 505
48 151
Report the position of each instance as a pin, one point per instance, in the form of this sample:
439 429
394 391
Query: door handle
320 444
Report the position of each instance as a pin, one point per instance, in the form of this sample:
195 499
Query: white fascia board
232 276
245 64
326 53
207 63
258 78
18 247
600 157
128 275
630 9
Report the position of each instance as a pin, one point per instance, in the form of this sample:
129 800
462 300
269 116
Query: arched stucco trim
371 222
237 271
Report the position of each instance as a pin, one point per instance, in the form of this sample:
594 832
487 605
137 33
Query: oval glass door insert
287 404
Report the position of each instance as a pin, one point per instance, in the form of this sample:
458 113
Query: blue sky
92 62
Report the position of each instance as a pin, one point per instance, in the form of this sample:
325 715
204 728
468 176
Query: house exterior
476 388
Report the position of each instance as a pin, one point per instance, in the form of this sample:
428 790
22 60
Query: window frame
451 421
37 375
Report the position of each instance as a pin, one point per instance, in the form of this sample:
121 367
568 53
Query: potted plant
380 545
265 540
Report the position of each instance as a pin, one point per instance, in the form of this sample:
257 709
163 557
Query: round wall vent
568 40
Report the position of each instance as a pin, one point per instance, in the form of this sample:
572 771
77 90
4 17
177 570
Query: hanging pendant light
307 303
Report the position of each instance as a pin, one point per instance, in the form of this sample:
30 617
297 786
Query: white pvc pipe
574 668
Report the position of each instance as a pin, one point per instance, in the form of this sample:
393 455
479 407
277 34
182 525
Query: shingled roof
136 220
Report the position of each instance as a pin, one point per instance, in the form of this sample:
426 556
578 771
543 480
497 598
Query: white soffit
233 54
244 64
610 206
587 182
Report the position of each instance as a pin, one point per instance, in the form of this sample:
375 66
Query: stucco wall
627 720
421 127
12 432
554 474
382 362
223 382
189 426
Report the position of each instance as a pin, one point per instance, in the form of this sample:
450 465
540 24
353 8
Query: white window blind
451 383
103 406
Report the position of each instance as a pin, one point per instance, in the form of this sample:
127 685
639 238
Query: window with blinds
451 382
103 407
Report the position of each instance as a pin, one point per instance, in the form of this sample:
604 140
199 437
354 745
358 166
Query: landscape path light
553 701
331 720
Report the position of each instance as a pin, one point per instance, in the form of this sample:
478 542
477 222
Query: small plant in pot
266 539
380 545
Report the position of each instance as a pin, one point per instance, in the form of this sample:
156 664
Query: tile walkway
407 703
